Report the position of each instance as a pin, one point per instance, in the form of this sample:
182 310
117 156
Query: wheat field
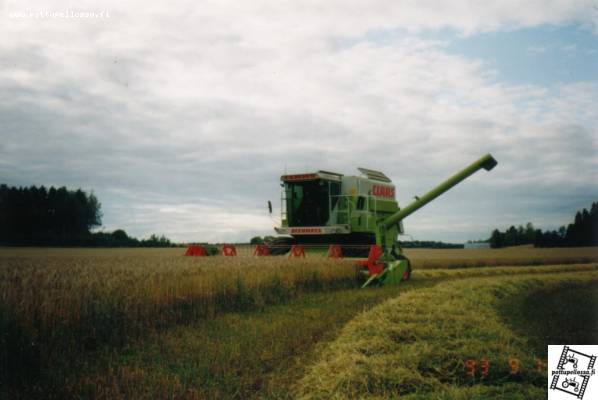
66 307
518 255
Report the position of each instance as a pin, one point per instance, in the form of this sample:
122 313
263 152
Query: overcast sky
182 115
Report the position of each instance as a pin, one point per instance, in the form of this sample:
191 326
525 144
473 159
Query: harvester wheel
407 273
281 245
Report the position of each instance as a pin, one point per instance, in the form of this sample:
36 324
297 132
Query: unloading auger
394 266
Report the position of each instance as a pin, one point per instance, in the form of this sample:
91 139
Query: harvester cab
326 207
356 212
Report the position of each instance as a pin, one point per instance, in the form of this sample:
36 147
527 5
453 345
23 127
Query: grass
416 345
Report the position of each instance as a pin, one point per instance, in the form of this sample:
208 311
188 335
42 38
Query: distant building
477 245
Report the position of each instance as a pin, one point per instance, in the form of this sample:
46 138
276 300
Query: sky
181 116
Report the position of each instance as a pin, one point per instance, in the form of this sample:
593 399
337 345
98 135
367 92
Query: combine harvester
354 214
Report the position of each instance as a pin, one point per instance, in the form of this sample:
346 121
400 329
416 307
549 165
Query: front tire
407 273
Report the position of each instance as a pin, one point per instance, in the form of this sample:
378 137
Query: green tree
582 232
496 239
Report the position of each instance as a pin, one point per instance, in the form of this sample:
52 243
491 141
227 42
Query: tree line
36 216
119 238
428 244
583 231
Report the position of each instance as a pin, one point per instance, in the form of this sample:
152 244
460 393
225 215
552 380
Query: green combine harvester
359 213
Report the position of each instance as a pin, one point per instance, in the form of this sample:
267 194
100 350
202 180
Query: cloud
182 117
